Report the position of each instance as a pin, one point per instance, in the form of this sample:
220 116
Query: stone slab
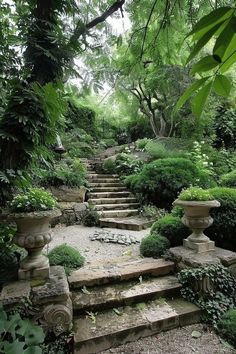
126 293
110 330
184 257
14 292
107 272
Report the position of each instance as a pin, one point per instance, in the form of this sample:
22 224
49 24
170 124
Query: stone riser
103 180
125 294
111 330
122 225
99 195
108 189
96 175
116 206
118 213
100 201
106 184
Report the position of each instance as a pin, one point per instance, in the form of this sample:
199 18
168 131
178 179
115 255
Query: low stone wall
67 194
72 213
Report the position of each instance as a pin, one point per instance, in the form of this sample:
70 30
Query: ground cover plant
66 256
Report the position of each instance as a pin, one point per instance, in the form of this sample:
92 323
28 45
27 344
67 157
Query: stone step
99 195
132 223
126 293
106 184
99 201
117 206
104 180
118 270
109 189
107 329
118 213
96 175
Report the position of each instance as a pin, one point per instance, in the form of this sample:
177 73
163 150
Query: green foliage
79 116
226 327
154 246
214 301
199 157
18 335
225 127
228 180
158 150
127 164
140 144
151 212
35 199
195 194
223 229
57 344
172 228
161 181
109 166
78 143
69 172
66 256
90 218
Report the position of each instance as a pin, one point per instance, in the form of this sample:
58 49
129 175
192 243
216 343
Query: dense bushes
124 164
157 150
160 181
229 179
223 229
227 326
66 256
172 228
154 246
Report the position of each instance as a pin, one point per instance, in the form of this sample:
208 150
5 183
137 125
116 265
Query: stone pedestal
188 258
50 300
199 247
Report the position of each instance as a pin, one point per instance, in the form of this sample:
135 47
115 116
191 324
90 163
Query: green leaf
225 38
202 41
199 101
188 93
13 348
210 20
205 64
222 85
231 60
33 350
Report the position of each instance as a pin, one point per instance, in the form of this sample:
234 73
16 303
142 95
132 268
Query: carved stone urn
33 233
197 218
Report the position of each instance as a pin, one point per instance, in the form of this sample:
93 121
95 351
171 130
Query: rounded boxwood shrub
227 326
228 180
154 246
172 228
90 218
161 181
223 229
66 256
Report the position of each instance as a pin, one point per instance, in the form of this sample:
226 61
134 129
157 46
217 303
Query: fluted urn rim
31 215
197 203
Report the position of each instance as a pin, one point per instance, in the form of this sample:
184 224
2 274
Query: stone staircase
117 207
125 299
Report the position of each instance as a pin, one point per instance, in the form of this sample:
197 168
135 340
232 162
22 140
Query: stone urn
197 218
33 233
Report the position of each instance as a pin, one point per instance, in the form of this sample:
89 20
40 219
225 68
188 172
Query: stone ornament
57 318
33 233
197 218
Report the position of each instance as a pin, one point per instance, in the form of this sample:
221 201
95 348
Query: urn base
199 247
37 273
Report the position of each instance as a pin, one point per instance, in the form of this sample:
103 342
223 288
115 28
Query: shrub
228 180
90 218
158 150
35 199
223 229
109 166
161 181
172 228
226 326
154 246
66 256
127 164
151 212
140 144
195 194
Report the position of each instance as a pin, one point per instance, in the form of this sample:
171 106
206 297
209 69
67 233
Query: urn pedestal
197 218
33 233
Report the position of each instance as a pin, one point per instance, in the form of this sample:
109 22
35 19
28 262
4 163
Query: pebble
110 237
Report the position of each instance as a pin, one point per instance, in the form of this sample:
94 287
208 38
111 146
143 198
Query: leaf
205 64
231 60
222 85
196 334
85 290
198 102
202 41
210 20
33 350
15 347
117 312
188 93
224 39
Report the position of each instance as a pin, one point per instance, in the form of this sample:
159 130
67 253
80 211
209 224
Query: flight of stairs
117 207
125 299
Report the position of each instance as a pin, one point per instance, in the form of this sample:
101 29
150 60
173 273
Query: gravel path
177 341
78 236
